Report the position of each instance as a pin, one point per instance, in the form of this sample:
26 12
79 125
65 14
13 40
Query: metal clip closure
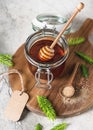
43 78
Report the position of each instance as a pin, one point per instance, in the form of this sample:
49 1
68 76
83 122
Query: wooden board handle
78 9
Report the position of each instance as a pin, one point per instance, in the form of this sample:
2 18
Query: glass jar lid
50 21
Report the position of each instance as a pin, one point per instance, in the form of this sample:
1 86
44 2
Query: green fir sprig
85 57
6 59
46 107
75 40
84 70
62 126
38 126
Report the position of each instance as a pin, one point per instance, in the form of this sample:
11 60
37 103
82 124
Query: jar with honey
45 71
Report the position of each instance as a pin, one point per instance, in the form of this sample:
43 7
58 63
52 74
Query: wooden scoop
68 90
47 52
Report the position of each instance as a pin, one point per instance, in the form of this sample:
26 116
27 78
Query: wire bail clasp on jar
43 83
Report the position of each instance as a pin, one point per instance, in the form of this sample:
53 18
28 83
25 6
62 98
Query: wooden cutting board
83 98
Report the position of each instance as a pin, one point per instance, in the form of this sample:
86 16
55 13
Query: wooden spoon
47 52
69 90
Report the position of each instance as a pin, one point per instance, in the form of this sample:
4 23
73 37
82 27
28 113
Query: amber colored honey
59 53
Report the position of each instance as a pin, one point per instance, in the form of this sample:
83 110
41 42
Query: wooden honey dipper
47 52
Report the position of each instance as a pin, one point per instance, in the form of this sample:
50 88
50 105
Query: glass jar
51 21
45 72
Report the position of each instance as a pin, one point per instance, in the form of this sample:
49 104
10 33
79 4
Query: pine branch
75 40
62 126
6 59
38 127
46 107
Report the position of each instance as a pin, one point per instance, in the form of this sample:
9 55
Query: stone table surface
15 26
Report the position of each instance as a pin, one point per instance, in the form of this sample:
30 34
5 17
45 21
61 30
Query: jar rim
51 19
44 64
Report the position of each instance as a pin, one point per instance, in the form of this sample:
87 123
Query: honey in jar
47 70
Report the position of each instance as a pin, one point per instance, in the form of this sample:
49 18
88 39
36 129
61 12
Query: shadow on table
24 114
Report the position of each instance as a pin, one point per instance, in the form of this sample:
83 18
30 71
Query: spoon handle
73 74
78 9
